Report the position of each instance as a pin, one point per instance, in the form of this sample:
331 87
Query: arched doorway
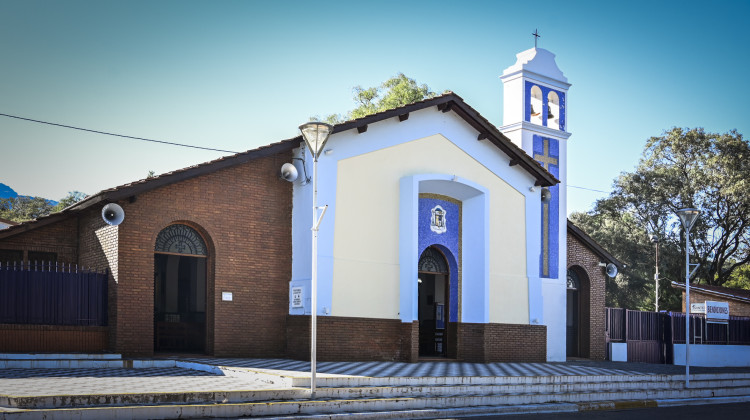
578 313
434 296
572 323
180 258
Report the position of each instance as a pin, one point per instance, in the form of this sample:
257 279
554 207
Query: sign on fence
717 312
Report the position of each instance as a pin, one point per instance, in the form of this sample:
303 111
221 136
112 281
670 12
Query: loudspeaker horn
288 172
610 268
113 214
546 195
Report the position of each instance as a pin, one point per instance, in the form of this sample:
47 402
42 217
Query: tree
70 199
681 168
393 93
23 208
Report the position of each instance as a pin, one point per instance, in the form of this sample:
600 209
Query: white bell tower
535 98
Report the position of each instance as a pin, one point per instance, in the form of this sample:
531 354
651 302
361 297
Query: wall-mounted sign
226 296
296 297
717 312
697 308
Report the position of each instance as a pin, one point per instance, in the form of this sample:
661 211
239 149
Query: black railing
735 332
52 294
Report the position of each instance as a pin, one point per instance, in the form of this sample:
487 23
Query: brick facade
243 213
736 308
486 343
60 238
591 298
349 339
344 338
16 338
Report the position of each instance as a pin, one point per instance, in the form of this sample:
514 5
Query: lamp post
655 240
315 134
688 216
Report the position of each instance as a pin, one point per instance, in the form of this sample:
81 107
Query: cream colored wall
366 270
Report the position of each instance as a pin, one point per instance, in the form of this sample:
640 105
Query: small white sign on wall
296 297
697 308
226 296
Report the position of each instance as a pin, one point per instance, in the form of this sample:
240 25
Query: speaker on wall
113 214
288 172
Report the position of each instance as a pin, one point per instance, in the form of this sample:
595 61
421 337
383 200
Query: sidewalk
233 387
257 374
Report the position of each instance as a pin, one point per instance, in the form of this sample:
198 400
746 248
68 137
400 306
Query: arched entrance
434 303
180 258
578 320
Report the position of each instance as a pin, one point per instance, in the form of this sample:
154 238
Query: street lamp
315 134
688 216
655 240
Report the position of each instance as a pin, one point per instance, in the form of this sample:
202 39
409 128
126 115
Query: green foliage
740 278
393 93
70 199
681 168
22 208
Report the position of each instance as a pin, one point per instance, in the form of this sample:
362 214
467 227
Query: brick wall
98 244
52 338
591 299
60 238
735 308
345 338
244 216
485 343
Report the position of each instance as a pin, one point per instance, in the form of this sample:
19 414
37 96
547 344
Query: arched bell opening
536 104
553 110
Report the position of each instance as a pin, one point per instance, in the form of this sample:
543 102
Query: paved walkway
448 368
84 381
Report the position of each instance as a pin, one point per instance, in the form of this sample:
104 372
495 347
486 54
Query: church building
444 237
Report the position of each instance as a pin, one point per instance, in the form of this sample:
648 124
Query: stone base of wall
485 343
356 339
17 338
350 339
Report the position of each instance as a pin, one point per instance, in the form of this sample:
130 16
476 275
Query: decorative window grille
432 261
180 239
573 281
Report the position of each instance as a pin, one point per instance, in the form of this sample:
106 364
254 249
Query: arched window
553 110
573 282
432 261
180 239
536 105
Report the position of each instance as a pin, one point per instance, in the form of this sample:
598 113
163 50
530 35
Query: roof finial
536 37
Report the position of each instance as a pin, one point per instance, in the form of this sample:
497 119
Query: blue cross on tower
549 213
536 36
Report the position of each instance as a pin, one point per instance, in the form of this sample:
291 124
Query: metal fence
735 332
52 294
650 335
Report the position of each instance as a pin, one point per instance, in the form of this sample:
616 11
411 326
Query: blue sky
236 75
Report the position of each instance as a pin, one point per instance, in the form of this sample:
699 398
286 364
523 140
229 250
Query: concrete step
367 406
103 363
513 393
335 381
60 356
